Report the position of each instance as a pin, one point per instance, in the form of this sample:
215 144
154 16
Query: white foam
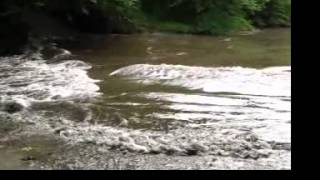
266 82
29 81
231 96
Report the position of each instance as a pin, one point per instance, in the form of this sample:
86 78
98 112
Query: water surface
163 93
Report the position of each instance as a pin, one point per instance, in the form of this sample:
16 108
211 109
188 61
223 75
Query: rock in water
117 119
11 107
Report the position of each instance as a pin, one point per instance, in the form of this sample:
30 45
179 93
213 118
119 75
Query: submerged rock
196 148
56 54
281 146
7 126
11 107
118 120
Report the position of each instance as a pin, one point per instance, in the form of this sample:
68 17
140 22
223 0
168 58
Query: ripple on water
236 103
226 96
238 80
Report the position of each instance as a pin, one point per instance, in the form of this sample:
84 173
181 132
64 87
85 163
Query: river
183 98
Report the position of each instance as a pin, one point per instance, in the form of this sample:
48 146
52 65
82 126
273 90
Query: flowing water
178 95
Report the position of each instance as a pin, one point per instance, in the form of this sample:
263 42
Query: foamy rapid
235 112
239 80
26 81
258 99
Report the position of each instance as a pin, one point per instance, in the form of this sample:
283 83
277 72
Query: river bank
30 149
20 21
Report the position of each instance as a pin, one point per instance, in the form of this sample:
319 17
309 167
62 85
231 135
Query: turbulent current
27 81
259 99
230 112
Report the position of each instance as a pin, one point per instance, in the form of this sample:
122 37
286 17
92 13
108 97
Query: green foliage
216 23
187 16
168 26
275 13
125 8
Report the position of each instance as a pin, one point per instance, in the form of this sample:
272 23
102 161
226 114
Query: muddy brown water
192 85
182 87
